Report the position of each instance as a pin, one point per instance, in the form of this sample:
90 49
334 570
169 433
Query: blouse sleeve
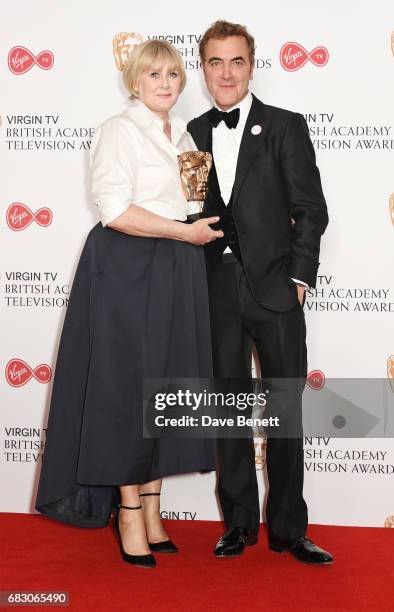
114 160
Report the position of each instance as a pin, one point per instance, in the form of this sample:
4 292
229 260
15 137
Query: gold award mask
391 208
194 168
390 371
389 522
122 43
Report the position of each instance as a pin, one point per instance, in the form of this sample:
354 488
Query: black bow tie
215 116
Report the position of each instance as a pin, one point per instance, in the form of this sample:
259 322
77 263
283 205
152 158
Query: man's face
227 70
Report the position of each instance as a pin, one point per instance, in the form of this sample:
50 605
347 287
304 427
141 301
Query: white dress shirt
133 162
225 149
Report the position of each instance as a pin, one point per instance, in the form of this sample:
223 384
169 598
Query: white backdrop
348 104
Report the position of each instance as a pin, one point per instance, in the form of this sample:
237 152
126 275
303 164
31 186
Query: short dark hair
222 29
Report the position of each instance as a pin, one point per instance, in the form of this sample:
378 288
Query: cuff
111 209
299 282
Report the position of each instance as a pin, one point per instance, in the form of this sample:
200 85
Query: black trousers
238 321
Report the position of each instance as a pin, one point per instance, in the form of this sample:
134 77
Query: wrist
182 231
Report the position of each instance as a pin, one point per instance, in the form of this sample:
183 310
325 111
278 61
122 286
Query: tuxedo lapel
201 133
250 145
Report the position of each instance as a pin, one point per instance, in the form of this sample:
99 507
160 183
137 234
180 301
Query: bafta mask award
194 167
122 44
389 522
390 371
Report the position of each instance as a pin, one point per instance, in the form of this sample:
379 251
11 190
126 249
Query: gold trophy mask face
194 168
390 371
389 522
391 208
122 43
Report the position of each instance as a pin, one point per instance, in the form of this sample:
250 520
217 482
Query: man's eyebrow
220 59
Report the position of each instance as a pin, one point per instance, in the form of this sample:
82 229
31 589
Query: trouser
237 322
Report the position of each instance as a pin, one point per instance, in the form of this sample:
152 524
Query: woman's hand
200 233
137 221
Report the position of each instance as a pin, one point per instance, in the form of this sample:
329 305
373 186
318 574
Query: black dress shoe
164 547
233 542
167 546
303 549
140 560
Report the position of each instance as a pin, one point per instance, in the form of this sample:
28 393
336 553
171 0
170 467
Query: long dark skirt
138 308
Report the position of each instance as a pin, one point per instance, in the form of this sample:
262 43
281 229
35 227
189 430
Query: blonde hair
151 54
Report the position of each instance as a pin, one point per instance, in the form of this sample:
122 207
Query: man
266 188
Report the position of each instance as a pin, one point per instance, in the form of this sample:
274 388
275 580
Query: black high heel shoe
167 546
140 560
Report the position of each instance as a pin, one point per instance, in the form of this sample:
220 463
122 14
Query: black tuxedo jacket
276 180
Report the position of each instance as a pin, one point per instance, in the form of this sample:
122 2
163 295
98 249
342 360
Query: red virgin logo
316 380
21 60
19 216
18 373
294 56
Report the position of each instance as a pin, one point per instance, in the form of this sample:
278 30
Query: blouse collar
145 119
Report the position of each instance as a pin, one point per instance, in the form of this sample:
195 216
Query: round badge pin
256 130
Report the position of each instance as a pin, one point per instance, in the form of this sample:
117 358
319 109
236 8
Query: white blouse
133 162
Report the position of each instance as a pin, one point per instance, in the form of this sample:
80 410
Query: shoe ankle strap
147 494
130 507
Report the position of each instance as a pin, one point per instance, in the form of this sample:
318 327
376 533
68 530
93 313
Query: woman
138 308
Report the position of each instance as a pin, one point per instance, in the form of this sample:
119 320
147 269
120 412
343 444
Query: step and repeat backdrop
60 78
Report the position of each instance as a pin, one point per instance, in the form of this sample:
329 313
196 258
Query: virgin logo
18 373
19 216
294 56
21 60
316 380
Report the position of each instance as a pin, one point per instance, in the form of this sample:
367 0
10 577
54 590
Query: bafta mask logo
391 208
389 522
194 167
390 371
122 44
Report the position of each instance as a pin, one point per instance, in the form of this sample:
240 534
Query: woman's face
159 88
